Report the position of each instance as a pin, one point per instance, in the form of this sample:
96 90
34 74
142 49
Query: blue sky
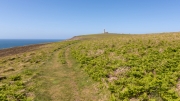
61 19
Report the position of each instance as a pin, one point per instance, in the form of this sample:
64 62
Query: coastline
22 49
11 43
19 49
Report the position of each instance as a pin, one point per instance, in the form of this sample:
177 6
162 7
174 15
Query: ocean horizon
10 43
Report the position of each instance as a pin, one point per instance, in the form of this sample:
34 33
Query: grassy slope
65 82
18 71
131 67
41 75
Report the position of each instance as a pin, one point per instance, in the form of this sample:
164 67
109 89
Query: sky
62 19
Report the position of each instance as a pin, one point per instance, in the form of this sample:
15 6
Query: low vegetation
17 72
141 67
123 67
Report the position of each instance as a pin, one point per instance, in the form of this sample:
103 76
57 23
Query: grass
96 68
19 70
132 66
64 82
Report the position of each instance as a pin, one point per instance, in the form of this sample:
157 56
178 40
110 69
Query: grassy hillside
45 73
97 67
133 67
17 72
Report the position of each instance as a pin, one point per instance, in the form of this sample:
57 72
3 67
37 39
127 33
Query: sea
10 43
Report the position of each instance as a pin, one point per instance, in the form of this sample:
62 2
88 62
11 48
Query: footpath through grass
65 81
47 73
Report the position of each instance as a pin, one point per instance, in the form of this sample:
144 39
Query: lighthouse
105 31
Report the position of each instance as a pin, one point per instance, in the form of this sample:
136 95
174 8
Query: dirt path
73 77
67 82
